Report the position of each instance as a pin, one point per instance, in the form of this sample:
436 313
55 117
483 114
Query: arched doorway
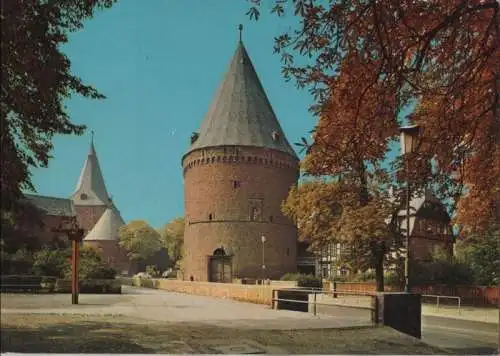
220 267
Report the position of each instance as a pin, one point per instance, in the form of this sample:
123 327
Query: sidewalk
487 315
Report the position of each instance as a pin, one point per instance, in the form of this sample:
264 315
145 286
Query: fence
308 300
469 295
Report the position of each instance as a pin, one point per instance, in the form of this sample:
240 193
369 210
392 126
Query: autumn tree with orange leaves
375 65
329 211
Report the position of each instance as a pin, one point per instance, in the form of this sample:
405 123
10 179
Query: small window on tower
210 216
255 206
236 184
271 218
83 196
254 215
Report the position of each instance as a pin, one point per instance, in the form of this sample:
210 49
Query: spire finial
240 28
92 136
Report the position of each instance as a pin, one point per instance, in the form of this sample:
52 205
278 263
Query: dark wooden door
220 269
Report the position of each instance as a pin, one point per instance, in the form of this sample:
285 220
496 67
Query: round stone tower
237 172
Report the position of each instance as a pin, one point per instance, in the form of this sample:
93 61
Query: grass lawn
117 334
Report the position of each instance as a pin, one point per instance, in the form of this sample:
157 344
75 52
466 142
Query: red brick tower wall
221 186
88 216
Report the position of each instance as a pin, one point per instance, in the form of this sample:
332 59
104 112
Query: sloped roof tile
52 205
240 113
107 228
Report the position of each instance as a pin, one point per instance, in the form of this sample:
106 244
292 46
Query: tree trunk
379 273
379 252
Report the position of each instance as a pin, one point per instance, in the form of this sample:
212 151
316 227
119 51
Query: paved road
462 336
457 335
149 305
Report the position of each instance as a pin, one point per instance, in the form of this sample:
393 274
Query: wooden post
75 235
74 271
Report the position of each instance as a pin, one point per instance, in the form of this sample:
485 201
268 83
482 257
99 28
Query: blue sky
159 64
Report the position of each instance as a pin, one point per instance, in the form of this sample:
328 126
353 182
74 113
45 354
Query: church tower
237 171
90 197
97 215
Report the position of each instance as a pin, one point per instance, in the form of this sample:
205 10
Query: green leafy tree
36 81
375 65
92 266
329 211
441 269
172 235
481 252
18 227
52 263
57 263
140 240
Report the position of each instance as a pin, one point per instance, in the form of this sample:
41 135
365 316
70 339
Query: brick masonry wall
111 253
218 214
88 216
470 295
46 233
247 293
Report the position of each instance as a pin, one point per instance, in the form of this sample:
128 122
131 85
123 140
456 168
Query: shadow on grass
84 337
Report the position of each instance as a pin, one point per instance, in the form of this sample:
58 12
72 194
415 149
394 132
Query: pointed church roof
107 228
91 189
240 113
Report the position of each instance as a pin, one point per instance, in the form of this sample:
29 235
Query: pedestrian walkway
155 305
487 315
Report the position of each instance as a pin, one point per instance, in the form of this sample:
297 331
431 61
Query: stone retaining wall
243 292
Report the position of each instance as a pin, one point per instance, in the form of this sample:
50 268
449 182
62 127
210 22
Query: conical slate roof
107 228
240 113
91 189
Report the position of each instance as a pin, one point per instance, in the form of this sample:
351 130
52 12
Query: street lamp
75 235
409 137
263 239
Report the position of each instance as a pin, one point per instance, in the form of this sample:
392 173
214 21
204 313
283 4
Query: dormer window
275 135
83 196
194 137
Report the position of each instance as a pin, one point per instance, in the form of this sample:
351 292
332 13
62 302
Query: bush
291 277
440 272
367 276
19 262
309 281
91 269
53 263
90 286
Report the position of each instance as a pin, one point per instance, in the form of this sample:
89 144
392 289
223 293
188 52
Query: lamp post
75 235
408 136
263 239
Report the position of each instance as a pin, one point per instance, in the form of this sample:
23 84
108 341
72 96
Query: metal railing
344 302
315 303
445 297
